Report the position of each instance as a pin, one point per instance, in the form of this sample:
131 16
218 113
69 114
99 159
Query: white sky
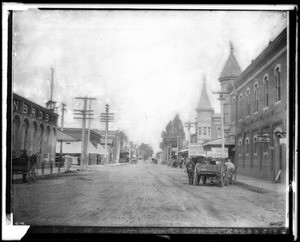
148 65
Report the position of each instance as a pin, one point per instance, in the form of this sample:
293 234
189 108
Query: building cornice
277 45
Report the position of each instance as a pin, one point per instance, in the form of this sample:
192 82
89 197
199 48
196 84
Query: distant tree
173 130
146 151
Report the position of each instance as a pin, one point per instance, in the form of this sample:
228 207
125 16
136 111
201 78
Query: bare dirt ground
142 194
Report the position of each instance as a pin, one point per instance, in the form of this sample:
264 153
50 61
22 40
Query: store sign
218 153
263 139
282 140
196 150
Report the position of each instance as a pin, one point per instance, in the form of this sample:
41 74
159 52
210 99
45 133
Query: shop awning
218 142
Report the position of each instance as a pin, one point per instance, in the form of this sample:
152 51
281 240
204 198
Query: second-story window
204 130
278 84
256 97
248 101
266 90
209 132
200 129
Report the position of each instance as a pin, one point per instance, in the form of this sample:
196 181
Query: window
248 101
266 90
278 83
204 130
241 106
233 109
209 132
200 129
247 145
256 97
255 143
240 147
225 113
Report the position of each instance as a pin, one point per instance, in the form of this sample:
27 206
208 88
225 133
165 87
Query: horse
230 169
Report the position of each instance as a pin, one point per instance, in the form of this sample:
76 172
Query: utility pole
89 132
62 129
189 125
221 98
84 115
106 118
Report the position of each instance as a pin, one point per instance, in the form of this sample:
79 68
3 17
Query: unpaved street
141 194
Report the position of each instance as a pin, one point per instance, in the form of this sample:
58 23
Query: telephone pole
189 125
106 118
84 114
221 98
62 129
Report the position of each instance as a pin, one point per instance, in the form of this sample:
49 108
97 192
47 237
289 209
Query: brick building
34 129
258 113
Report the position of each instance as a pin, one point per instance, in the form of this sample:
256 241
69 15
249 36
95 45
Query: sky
147 65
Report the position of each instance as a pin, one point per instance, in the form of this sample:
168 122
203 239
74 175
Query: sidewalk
261 186
47 171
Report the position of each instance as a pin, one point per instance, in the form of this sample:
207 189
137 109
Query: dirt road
142 194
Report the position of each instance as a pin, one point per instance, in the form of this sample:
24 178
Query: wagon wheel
204 179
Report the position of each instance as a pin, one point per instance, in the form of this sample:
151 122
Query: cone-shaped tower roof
231 68
204 103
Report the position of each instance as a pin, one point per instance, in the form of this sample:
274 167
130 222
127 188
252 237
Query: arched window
266 90
15 136
24 133
240 146
278 83
256 97
247 145
255 144
240 106
248 101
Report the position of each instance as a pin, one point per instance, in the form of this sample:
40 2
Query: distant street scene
124 118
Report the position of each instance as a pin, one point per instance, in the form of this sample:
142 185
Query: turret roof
204 103
231 68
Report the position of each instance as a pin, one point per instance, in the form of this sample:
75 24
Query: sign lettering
25 108
16 105
196 150
263 139
218 153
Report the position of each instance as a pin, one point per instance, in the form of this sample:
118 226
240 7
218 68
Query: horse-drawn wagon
26 166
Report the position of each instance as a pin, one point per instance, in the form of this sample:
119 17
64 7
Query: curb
253 188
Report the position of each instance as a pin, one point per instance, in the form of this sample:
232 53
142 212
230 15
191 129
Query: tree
174 131
146 151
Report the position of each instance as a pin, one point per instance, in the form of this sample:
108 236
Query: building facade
34 129
259 113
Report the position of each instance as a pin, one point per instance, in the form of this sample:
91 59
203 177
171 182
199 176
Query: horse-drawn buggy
25 165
